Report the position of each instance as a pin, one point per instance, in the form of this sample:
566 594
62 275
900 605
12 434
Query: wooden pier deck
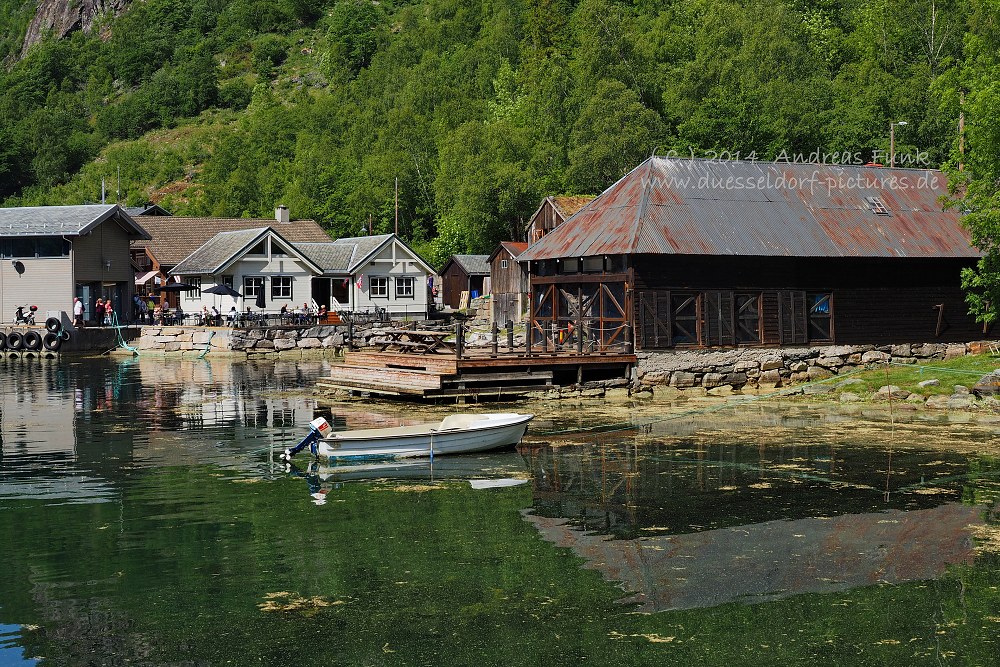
474 374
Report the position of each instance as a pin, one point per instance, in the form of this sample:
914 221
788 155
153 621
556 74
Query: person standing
109 313
77 312
99 312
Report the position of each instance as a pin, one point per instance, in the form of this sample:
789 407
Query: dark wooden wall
875 301
544 221
506 285
454 281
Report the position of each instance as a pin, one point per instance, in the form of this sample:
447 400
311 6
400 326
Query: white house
354 274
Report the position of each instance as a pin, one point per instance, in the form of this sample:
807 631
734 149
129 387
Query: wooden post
629 345
510 335
459 339
495 330
579 336
350 333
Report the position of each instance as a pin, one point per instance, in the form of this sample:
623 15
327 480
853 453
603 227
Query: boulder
849 397
988 385
818 373
954 351
710 380
891 390
799 366
816 389
830 362
683 380
874 357
929 383
937 402
771 363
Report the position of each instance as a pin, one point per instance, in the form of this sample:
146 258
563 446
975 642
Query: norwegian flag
361 281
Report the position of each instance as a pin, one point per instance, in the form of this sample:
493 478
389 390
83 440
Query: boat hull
492 432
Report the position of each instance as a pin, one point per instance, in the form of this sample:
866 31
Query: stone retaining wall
771 368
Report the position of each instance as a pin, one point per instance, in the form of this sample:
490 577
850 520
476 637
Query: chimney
281 213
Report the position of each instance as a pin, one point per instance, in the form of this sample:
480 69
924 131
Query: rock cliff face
61 17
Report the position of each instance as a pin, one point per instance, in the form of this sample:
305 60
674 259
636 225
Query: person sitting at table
321 315
179 315
233 315
205 321
215 317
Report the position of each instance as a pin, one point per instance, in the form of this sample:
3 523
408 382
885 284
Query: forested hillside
479 107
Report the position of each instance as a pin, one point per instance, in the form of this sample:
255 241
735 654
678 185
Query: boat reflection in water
480 471
689 526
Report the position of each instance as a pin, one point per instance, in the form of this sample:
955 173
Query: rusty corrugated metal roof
706 207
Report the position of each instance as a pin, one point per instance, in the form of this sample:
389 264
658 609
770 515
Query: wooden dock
474 374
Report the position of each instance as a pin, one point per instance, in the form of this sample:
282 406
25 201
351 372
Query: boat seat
458 421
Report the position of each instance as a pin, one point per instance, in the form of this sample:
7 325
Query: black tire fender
65 335
3 341
53 324
52 341
15 341
32 341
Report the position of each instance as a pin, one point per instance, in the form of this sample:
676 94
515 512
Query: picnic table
414 340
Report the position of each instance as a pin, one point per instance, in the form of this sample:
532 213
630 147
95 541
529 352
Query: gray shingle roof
474 265
332 257
217 251
64 220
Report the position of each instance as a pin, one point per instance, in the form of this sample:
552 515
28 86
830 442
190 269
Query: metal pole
495 331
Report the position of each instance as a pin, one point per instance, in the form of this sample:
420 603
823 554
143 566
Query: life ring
53 324
52 341
32 341
15 341
64 334
3 341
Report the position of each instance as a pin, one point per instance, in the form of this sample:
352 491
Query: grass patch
964 371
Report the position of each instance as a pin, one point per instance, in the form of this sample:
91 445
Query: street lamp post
892 141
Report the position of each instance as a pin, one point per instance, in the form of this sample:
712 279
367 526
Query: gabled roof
345 256
706 207
148 209
64 220
473 265
513 248
226 247
176 237
569 205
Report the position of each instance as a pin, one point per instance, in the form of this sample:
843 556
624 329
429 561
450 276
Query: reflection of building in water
696 524
776 559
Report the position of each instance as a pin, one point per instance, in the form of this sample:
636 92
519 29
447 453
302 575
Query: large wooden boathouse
701 253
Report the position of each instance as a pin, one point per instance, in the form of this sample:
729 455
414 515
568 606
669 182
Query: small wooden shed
463 273
509 282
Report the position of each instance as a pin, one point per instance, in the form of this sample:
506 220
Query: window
593 264
28 247
820 316
194 294
227 281
252 286
503 263
747 318
878 208
378 287
259 249
404 288
684 309
281 287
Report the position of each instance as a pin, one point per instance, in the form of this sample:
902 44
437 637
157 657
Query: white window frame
503 263
250 289
194 294
278 283
404 287
378 287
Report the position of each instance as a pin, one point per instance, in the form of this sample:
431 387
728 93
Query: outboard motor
319 428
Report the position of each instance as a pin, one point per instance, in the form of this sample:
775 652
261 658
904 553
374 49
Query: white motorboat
455 434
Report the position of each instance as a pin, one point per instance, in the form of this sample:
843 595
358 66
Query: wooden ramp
428 376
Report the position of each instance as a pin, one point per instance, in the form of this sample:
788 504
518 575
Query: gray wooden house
508 282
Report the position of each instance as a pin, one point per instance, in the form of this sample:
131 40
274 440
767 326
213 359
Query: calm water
143 522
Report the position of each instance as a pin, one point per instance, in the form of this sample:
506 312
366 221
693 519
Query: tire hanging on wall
64 334
32 341
15 341
3 341
52 341
53 324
